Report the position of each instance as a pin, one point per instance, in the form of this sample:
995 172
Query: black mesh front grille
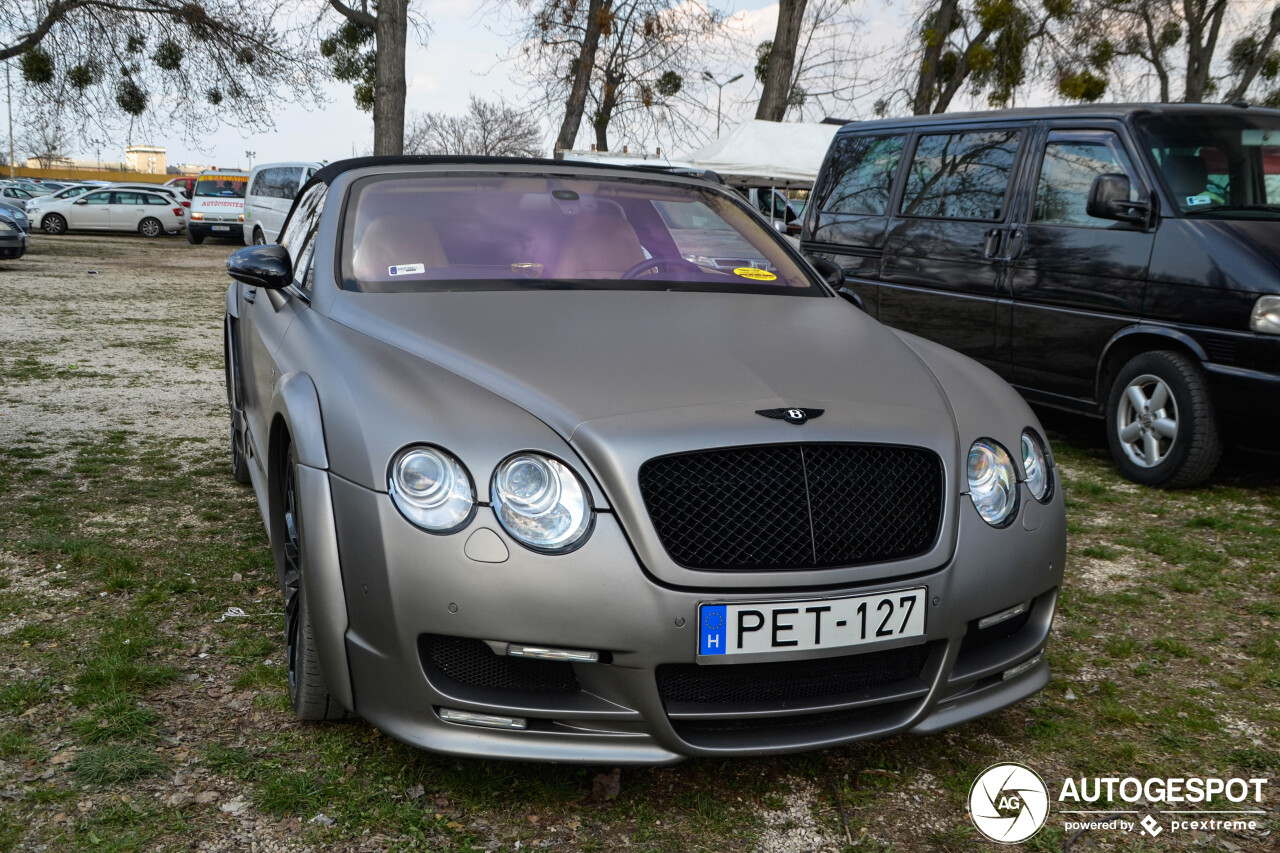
788 682
976 638
794 506
473 663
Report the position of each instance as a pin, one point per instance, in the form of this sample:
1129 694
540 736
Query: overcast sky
462 57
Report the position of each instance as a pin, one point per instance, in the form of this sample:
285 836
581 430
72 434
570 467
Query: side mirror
1109 199
268 267
831 272
79 201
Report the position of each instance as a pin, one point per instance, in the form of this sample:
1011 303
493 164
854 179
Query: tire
1160 421
53 223
258 238
194 239
307 694
150 227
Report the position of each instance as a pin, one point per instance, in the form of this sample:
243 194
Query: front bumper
423 621
205 228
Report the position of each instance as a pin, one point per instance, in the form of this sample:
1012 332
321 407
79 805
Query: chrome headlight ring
541 503
431 488
993 482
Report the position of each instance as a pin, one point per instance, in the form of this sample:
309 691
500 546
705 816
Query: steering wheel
660 265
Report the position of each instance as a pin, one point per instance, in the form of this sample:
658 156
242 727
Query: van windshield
221 186
1217 165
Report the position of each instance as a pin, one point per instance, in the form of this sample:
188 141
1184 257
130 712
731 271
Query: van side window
862 170
1071 162
961 175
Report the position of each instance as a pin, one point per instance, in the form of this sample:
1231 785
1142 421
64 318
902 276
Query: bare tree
46 141
781 57
486 129
628 65
830 70
159 63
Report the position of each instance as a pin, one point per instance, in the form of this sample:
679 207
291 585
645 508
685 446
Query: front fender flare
296 403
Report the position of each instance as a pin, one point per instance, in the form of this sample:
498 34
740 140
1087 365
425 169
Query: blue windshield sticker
712 629
1196 200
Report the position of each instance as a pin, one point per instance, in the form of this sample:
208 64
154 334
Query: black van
1122 261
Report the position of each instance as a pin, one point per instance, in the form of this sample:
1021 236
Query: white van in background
217 205
272 187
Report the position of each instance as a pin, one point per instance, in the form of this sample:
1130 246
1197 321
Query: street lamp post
719 94
250 155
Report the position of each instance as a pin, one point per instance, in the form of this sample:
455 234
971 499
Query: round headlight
431 488
993 482
1035 463
541 502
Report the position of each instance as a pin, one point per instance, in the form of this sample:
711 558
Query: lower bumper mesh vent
473 663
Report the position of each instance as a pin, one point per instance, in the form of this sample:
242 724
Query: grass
118 553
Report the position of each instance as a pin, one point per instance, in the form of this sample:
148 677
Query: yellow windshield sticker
755 274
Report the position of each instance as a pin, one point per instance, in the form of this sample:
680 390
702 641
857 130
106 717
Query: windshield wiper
1271 208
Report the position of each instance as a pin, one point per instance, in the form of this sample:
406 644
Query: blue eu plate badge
714 636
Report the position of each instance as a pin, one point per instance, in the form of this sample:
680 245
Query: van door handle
991 243
1017 244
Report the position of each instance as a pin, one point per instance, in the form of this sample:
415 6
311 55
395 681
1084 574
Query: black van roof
1123 112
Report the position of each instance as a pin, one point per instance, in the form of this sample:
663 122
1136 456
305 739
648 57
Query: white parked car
148 213
68 194
272 187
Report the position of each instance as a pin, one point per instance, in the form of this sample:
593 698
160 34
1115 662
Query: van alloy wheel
1160 421
1147 421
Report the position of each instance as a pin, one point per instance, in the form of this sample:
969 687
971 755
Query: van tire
258 238
1161 425
194 239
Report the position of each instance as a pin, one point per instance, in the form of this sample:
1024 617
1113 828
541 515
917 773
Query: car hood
625 377
578 357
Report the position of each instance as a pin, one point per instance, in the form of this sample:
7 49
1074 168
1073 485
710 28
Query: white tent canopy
767 154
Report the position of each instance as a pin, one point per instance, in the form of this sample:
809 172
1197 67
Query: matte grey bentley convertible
584 463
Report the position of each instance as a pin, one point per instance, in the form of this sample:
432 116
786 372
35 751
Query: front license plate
222 228
824 623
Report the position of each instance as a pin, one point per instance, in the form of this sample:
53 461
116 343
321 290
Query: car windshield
221 186
487 231
1218 165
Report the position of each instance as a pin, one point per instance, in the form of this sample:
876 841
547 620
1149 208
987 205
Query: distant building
145 158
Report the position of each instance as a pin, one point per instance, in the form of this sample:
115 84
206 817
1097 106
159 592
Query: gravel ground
111 311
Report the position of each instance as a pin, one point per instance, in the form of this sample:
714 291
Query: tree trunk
938 27
1204 21
576 104
612 84
389 88
782 60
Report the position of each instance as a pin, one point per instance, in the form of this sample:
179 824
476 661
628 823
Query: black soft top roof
333 170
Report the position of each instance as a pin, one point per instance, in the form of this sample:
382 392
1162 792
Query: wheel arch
1130 342
295 420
